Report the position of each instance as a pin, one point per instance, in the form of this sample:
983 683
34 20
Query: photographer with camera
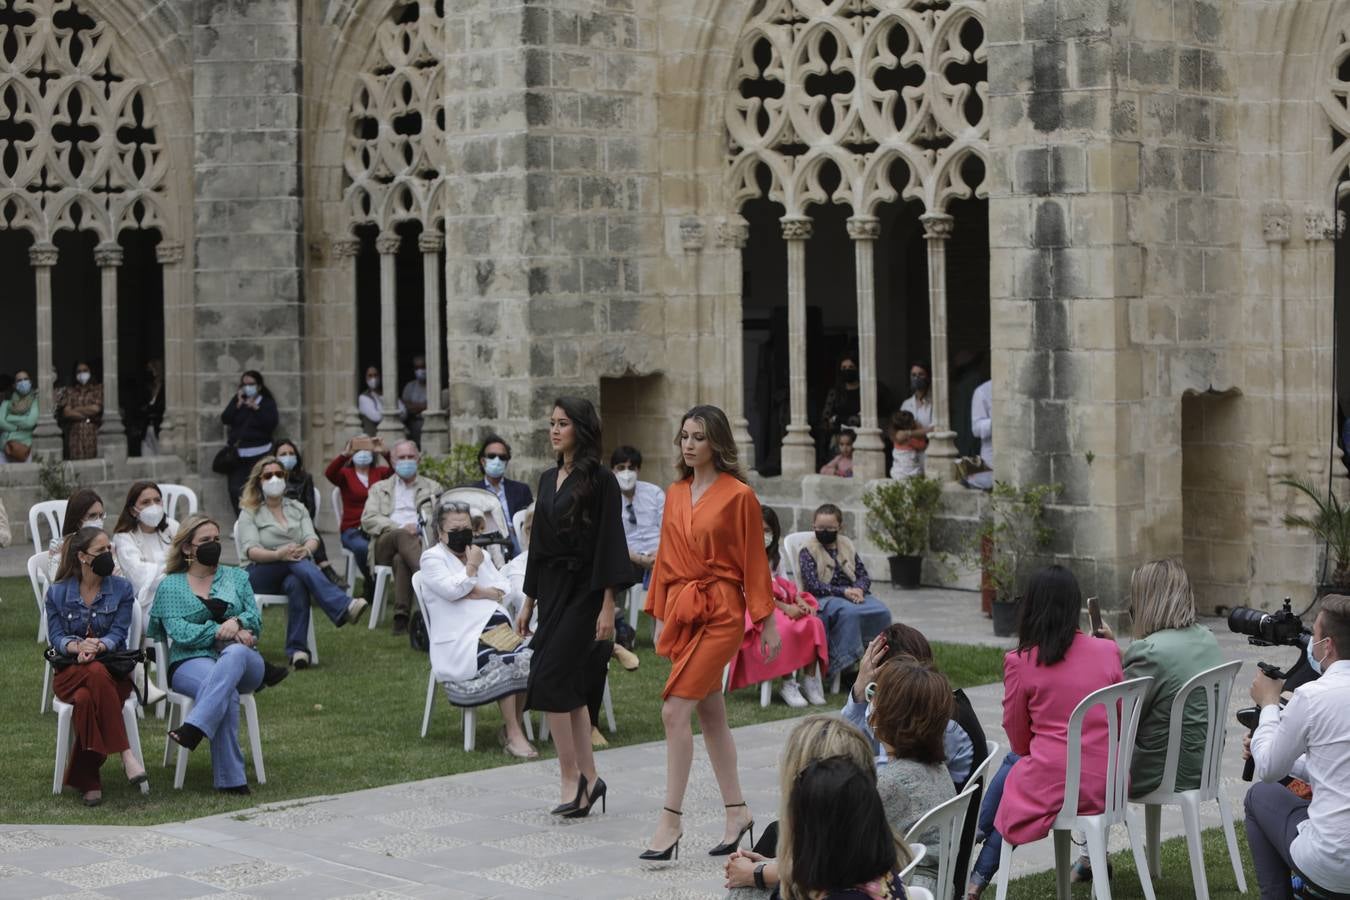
1298 846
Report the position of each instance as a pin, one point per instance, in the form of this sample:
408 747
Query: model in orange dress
710 571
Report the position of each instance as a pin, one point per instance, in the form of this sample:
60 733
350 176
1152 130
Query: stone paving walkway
482 834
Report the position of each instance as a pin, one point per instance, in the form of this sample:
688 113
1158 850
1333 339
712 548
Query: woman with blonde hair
710 572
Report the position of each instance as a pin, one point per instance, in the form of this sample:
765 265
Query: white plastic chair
49 511
172 493
348 557
265 600
917 893
1123 704
180 707
1216 685
790 556
949 817
65 713
918 851
991 759
37 579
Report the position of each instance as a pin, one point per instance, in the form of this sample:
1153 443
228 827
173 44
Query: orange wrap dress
710 571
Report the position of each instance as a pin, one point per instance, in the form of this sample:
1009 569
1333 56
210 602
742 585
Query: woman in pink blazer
1053 668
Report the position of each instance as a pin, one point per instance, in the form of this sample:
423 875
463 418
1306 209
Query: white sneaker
792 695
813 690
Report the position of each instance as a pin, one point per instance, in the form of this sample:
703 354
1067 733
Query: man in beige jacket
396 511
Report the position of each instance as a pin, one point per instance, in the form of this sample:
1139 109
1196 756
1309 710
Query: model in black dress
578 562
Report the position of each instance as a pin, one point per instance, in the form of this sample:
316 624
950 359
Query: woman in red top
354 470
710 571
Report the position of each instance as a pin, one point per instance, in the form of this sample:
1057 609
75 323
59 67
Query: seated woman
1053 668
832 570
142 536
277 538
475 651
300 486
912 705
84 509
802 632
352 472
815 738
209 613
18 418
89 612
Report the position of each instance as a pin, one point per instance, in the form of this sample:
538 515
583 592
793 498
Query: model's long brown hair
718 431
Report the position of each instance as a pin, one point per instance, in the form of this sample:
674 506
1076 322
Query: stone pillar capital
1321 224
733 232
864 228
387 244
42 255
797 228
1275 218
169 252
109 254
692 235
431 242
937 225
345 247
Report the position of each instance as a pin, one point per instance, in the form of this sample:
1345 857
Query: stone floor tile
26 887
423 818
57 856
311 887
12 872
167 887
469 858
408 844
189 858
487 829
25 840
536 873
103 874
543 844
124 846
245 876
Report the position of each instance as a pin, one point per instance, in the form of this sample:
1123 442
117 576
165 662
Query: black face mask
103 564
826 536
918 382
209 554
848 375
459 539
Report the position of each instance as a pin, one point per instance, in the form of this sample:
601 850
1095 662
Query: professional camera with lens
1282 628
492 537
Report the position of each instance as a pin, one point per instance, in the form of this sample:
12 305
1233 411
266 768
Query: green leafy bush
56 479
900 514
457 467
1014 521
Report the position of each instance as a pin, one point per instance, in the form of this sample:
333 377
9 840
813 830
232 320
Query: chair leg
169 726
431 696
1096 835
608 702
543 727
1226 816
1004 864
254 736
765 693
529 728
1063 862
470 728
1153 838
377 602
129 721
313 644
46 686
1190 815
834 683
63 723
1137 846
180 770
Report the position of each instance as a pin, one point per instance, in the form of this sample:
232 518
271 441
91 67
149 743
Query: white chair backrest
518 526
918 851
238 550
49 511
318 507
991 759
37 579
949 817
481 500
791 554
1123 704
336 497
1215 685
172 494
421 601
917 893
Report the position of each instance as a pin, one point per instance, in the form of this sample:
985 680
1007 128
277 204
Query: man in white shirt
643 505
393 520
1293 838
982 426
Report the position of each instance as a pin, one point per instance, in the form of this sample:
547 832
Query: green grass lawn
351 723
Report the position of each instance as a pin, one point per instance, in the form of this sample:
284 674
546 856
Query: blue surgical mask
1312 657
363 457
23 385
250 391
495 468
406 468
287 462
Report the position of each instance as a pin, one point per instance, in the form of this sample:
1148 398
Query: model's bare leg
560 726
675 716
712 716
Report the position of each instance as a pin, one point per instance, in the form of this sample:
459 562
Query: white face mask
768 539
82 377
1313 661
627 479
274 486
373 383
95 522
151 516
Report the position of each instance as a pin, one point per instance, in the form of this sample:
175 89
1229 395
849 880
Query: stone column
47 434
799 452
733 233
345 414
173 428
391 428
937 228
1275 220
435 424
112 434
869 452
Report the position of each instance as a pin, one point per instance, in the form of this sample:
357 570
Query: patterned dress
81 434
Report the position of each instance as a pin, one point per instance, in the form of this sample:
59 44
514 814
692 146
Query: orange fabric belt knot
694 605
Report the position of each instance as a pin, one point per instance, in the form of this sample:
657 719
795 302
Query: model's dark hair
299 457
906 640
771 520
585 458
1049 617
77 507
127 520
840 836
626 454
262 385
75 544
488 442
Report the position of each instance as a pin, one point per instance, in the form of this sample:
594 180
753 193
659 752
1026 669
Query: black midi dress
573 559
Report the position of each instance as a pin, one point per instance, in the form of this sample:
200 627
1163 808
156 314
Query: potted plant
899 517
1330 523
1012 532
458 467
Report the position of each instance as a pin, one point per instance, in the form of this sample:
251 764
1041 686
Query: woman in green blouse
209 613
277 542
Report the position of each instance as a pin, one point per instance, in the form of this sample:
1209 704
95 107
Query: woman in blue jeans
209 614
277 539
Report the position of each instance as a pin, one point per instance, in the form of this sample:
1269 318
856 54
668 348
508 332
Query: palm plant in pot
1330 523
1012 532
899 519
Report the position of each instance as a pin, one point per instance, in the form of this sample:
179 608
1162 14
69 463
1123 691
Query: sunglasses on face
504 457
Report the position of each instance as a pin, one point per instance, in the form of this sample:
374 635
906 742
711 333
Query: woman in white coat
142 537
475 653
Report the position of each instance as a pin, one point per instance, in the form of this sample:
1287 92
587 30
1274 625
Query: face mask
768 539
274 486
848 374
373 383
826 537
151 516
23 385
420 374
103 564
918 382
1312 657
459 539
495 468
82 377
406 468
627 479
96 522
209 554
250 391
363 457
287 462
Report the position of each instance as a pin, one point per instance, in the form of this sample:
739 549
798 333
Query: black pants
1273 817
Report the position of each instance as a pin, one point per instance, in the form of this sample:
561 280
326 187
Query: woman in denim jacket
89 612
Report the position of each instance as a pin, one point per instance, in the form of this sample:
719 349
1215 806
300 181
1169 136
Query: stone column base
112 436
870 455
46 439
799 452
435 433
941 456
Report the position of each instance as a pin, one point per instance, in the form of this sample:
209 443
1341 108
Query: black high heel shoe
597 793
732 846
671 852
570 806
141 782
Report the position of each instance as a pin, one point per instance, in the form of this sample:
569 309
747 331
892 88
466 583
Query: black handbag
120 663
225 460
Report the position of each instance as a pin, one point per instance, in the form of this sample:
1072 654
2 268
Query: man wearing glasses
514 495
643 504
